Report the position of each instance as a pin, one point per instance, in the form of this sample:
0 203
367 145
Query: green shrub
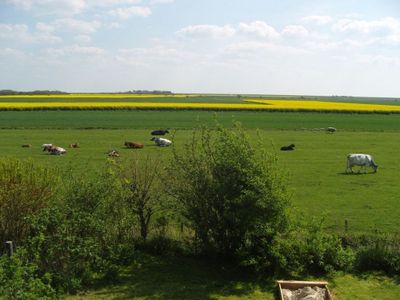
19 280
379 253
25 188
310 249
232 196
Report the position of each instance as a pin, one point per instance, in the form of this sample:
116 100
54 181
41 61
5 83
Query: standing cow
362 160
159 132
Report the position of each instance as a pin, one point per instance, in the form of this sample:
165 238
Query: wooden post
9 248
346 226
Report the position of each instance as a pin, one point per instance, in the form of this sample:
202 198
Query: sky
308 47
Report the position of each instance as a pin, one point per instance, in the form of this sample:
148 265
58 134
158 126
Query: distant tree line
36 92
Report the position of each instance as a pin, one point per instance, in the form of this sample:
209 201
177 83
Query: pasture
315 170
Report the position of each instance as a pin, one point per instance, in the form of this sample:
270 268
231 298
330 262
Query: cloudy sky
324 47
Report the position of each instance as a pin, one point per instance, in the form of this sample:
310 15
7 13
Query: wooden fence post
9 248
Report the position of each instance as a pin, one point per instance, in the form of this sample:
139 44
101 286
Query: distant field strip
248 104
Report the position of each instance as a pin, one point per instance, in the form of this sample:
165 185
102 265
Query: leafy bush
307 248
232 196
379 253
25 188
19 280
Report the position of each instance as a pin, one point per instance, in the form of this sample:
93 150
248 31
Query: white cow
362 160
161 141
54 150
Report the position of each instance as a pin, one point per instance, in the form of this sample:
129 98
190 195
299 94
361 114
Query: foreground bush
20 280
25 188
232 197
377 253
308 248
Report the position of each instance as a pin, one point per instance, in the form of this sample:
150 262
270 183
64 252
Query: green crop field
315 169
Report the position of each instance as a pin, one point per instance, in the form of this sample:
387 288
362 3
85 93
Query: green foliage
379 253
25 188
81 238
20 280
308 248
232 196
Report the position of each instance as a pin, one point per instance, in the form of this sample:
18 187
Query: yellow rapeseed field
248 104
300 105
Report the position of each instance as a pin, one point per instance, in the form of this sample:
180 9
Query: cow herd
161 142
361 160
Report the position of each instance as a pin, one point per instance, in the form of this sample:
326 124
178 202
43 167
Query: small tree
232 195
141 180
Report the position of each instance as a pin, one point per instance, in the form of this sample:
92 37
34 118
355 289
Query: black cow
288 148
159 132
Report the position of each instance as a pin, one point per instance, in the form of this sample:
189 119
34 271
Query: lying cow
54 150
288 148
159 132
331 130
161 141
362 160
134 145
113 153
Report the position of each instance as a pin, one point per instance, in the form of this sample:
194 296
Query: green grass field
316 179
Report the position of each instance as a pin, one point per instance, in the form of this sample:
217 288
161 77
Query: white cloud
21 33
318 20
148 56
5 52
296 31
75 49
259 28
206 31
44 27
84 27
82 38
51 7
154 2
105 3
384 25
379 59
127 12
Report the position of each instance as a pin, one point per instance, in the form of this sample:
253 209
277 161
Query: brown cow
134 145
75 145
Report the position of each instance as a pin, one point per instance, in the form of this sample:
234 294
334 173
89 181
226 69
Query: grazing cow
161 141
113 153
362 160
75 145
288 147
54 150
26 146
331 129
159 132
134 145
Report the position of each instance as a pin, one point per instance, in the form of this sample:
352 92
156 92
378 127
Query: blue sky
342 47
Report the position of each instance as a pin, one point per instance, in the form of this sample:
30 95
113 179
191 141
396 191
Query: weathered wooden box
295 285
